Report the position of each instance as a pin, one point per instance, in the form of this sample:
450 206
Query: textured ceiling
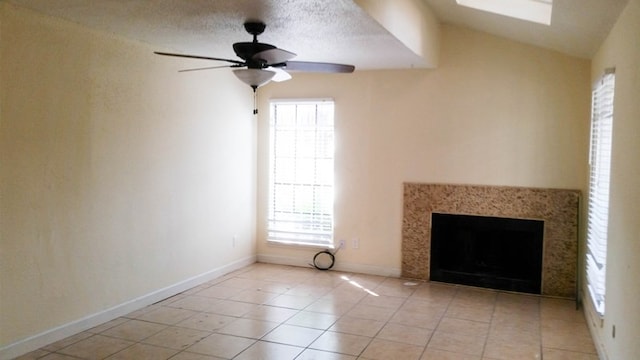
320 30
317 30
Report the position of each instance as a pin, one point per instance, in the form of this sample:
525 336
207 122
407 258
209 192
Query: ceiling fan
262 62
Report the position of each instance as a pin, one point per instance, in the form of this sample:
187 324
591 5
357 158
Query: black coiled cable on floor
325 259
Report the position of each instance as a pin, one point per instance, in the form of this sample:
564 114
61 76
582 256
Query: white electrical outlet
341 244
356 243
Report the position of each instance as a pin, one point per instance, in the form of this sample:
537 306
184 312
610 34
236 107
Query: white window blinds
599 175
301 173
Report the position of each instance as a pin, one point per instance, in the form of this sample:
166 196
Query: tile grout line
455 293
486 339
386 322
540 327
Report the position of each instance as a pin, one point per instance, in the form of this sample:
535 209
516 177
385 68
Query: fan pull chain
255 101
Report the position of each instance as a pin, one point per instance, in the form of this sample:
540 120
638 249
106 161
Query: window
301 173
598 204
538 11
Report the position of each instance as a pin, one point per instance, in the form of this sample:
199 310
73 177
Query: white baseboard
58 333
339 265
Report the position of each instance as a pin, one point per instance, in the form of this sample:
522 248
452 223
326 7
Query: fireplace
492 252
557 208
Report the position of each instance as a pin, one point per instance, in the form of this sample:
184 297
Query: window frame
600 147
318 225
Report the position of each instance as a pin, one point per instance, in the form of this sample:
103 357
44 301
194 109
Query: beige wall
119 176
495 112
622 50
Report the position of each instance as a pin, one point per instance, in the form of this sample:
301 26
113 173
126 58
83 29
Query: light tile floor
277 312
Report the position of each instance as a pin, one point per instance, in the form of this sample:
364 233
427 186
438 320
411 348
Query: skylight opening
538 11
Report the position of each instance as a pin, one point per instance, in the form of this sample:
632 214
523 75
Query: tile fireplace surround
556 207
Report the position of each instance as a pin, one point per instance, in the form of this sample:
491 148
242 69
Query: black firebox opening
491 252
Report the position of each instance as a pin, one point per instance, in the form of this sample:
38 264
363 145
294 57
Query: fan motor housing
254 28
246 50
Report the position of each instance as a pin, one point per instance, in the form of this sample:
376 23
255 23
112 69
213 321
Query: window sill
288 244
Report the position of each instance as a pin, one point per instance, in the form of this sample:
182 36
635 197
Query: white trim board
339 266
63 331
595 323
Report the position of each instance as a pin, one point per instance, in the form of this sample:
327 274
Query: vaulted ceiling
343 31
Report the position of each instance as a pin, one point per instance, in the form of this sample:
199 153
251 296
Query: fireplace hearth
485 251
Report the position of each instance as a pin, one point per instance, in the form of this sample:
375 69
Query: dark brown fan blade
199 57
273 56
308 66
212 67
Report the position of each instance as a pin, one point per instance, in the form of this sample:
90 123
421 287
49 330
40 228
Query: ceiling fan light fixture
254 77
262 62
